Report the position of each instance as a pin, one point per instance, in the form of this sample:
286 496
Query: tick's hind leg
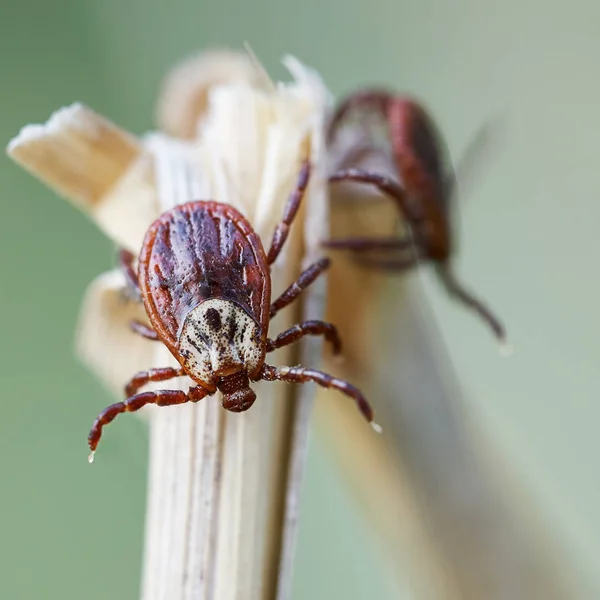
303 375
162 398
298 331
454 288
307 277
289 213
127 259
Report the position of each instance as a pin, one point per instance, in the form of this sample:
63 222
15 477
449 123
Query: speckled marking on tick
219 338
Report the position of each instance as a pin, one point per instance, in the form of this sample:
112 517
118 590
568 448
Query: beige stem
223 488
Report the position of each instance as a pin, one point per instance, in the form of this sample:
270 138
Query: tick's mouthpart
237 394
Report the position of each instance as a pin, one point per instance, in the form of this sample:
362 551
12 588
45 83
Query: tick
205 281
423 195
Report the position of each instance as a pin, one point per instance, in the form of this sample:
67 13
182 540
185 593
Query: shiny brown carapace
422 191
205 282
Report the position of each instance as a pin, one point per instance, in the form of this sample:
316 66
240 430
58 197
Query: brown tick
423 194
205 282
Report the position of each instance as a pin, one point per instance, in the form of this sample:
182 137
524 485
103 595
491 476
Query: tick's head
237 395
220 339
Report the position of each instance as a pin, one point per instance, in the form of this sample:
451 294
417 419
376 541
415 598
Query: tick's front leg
298 331
162 398
386 185
289 214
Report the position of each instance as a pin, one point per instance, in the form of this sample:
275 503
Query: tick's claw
377 428
91 456
506 349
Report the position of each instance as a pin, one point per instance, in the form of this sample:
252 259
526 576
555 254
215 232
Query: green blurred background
528 233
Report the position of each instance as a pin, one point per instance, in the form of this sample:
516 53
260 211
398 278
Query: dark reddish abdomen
417 149
198 251
419 157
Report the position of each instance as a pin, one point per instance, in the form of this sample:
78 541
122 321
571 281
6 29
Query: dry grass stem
223 488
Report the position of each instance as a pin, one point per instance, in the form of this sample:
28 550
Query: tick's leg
293 334
144 330
127 259
388 264
162 398
303 375
306 278
289 213
360 244
143 377
384 184
454 288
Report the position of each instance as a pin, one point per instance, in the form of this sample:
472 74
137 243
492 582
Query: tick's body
206 286
422 193
205 282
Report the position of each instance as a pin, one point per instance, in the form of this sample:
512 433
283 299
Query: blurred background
528 245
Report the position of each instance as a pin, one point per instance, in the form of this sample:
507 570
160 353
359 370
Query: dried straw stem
223 488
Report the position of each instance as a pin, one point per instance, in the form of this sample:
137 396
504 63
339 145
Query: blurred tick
423 195
205 282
